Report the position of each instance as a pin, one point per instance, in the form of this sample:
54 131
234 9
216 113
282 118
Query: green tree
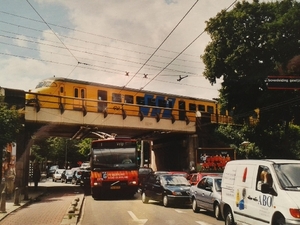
249 43
61 151
10 124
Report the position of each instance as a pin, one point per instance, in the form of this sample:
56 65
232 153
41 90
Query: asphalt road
132 211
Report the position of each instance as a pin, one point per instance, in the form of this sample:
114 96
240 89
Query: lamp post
66 154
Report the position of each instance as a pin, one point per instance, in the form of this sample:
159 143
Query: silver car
206 194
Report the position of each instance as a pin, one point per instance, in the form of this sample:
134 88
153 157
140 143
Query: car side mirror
267 189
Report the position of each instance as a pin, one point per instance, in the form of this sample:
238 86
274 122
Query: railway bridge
174 140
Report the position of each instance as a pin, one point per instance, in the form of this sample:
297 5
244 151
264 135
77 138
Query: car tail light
295 213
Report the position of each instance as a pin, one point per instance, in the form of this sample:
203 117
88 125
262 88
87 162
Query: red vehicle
114 166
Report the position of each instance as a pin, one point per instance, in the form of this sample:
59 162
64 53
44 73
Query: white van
258 192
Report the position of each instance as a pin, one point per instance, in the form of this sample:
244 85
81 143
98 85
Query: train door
102 100
61 92
79 94
182 111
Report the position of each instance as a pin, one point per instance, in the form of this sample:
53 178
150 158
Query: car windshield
175 180
69 172
218 182
288 175
59 171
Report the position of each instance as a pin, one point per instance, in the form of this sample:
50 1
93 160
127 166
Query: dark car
67 176
166 188
76 177
207 195
143 173
85 181
52 170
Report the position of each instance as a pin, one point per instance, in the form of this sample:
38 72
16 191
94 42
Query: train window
61 89
170 103
82 93
151 101
210 109
140 100
76 93
162 103
129 99
223 112
201 108
192 107
116 97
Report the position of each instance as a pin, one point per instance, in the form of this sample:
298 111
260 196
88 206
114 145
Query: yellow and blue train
71 94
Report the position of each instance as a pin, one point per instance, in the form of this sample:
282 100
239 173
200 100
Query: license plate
115 187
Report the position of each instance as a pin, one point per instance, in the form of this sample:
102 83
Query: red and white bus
114 166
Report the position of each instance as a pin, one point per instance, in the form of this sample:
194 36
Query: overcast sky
100 40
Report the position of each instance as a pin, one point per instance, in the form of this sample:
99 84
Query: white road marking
140 221
179 211
203 223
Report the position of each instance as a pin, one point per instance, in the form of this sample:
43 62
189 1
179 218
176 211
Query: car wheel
166 201
145 199
229 218
217 211
279 220
195 207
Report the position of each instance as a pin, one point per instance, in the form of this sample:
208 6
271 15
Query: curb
74 211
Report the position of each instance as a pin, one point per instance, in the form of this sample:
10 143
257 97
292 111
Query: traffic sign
283 82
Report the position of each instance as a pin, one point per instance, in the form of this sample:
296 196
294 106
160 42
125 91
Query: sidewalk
73 203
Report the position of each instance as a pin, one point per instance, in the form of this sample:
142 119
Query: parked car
166 188
85 166
67 176
194 178
51 170
85 178
57 175
76 177
207 195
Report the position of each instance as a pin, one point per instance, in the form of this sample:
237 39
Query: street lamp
66 155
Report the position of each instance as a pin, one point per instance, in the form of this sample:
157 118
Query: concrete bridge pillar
23 143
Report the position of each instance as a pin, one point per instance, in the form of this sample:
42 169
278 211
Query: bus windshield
114 154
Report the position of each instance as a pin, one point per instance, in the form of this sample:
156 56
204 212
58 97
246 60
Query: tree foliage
249 43
10 124
61 151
